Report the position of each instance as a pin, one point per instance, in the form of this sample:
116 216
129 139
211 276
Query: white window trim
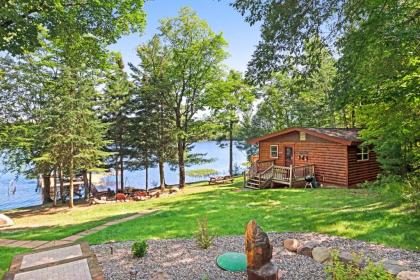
364 152
277 149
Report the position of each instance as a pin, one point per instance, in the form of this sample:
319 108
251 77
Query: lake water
25 194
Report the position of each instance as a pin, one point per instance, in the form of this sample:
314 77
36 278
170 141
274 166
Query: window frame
363 152
277 151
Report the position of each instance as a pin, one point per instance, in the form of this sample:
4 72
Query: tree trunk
85 183
90 185
147 178
71 175
181 163
63 197
47 188
146 165
116 178
231 148
55 188
121 170
162 174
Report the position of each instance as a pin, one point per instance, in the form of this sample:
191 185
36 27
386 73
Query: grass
359 214
7 256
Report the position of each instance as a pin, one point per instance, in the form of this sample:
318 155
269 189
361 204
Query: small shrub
139 249
341 271
203 237
398 188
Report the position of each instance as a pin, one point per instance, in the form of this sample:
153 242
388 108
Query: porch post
291 176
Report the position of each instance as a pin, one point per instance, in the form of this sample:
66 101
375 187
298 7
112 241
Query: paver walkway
38 244
68 262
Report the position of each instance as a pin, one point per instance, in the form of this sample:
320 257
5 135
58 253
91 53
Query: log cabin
334 156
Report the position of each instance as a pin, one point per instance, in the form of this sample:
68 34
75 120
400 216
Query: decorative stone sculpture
259 251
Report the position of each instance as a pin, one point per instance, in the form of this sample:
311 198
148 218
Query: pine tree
114 113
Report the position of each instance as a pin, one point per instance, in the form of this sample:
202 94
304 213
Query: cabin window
362 153
274 151
302 136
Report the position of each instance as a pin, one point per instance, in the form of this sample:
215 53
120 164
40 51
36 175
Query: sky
241 37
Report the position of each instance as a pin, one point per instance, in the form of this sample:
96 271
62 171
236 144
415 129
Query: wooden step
251 187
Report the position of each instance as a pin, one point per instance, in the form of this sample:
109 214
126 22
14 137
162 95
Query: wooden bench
220 179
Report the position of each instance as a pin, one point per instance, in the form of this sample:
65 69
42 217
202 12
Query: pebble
182 259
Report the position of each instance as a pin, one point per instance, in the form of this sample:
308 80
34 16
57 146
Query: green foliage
139 249
202 236
405 189
342 271
376 86
22 21
189 56
205 172
228 100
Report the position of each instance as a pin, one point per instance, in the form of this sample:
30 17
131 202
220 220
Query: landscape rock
5 221
321 254
161 276
408 275
351 258
392 266
259 252
291 244
306 248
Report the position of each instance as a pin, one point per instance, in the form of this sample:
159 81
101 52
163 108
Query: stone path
68 262
38 244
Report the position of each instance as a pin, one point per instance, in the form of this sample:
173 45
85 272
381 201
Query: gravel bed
183 259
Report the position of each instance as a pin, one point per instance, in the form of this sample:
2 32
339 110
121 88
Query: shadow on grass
48 233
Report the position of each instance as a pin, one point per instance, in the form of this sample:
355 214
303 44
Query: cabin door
288 156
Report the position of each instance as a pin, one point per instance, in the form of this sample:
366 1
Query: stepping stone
50 256
18 243
34 244
68 262
75 270
6 242
73 238
53 244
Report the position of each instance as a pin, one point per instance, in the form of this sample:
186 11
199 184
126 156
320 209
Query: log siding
335 163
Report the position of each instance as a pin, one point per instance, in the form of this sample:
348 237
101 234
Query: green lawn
7 256
359 214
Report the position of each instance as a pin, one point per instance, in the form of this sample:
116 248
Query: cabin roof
345 136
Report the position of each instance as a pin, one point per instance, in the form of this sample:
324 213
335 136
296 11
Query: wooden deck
262 174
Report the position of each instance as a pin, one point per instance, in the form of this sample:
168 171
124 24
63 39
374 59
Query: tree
195 56
21 22
151 93
115 102
378 78
228 99
377 69
54 107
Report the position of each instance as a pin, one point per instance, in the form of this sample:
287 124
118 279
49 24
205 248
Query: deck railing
300 172
266 170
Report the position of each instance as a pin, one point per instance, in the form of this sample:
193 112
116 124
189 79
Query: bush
203 237
139 249
405 189
341 271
